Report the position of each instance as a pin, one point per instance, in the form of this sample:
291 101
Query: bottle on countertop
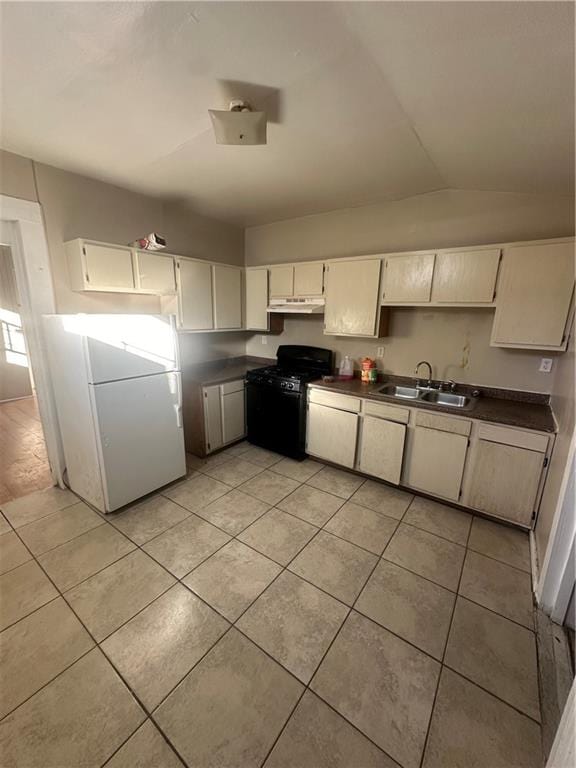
346 370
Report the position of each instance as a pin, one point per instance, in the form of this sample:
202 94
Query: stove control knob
291 386
283 385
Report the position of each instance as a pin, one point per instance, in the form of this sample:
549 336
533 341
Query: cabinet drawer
335 400
385 411
232 386
443 423
515 437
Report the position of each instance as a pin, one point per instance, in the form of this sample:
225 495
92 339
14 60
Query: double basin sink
426 395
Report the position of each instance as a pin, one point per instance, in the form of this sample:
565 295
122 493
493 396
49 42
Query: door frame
557 576
22 229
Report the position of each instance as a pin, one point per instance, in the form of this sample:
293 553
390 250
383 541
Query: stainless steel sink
429 396
405 393
446 398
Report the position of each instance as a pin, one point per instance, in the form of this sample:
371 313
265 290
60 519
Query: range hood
297 306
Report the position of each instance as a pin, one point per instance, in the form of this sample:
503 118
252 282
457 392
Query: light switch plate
545 365
380 352
264 339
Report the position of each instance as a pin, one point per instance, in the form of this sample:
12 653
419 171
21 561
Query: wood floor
23 463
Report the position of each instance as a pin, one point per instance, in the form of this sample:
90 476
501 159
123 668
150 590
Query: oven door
276 419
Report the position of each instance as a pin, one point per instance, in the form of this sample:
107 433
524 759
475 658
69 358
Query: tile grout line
283 568
433 707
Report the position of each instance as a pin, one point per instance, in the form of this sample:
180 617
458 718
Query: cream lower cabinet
332 434
435 462
381 448
506 471
224 414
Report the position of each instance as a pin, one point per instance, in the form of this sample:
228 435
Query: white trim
563 752
557 576
22 228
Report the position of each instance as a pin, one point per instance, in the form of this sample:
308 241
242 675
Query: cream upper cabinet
534 296
154 273
331 434
466 277
505 481
281 282
100 267
227 296
308 279
256 299
408 278
435 462
381 448
194 295
352 297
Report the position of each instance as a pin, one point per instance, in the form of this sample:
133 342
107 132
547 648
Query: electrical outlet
264 339
545 365
380 352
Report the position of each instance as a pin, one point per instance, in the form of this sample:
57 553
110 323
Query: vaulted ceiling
367 101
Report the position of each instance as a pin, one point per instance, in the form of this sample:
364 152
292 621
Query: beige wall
455 341
563 406
200 347
17 176
77 206
442 219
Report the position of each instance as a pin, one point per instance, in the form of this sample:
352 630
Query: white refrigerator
117 384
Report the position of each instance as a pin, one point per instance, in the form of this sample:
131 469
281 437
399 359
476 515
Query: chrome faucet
424 362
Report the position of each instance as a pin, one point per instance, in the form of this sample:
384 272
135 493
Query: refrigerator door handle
178 403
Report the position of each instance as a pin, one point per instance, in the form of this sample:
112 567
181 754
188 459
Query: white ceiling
368 100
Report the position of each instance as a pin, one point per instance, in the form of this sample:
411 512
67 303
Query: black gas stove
276 398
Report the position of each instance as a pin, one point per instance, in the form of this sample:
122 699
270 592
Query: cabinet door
227 287
155 273
108 268
505 481
382 448
466 276
533 297
331 434
352 297
281 282
256 300
194 295
308 279
212 418
408 278
435 462
233 416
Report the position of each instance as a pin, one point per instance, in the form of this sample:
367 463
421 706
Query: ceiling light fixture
239 124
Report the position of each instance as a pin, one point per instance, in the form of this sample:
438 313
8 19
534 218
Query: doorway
24 466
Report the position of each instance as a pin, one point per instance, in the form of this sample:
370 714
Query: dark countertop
514 409
226 369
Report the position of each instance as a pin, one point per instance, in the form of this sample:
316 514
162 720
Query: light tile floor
268 613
